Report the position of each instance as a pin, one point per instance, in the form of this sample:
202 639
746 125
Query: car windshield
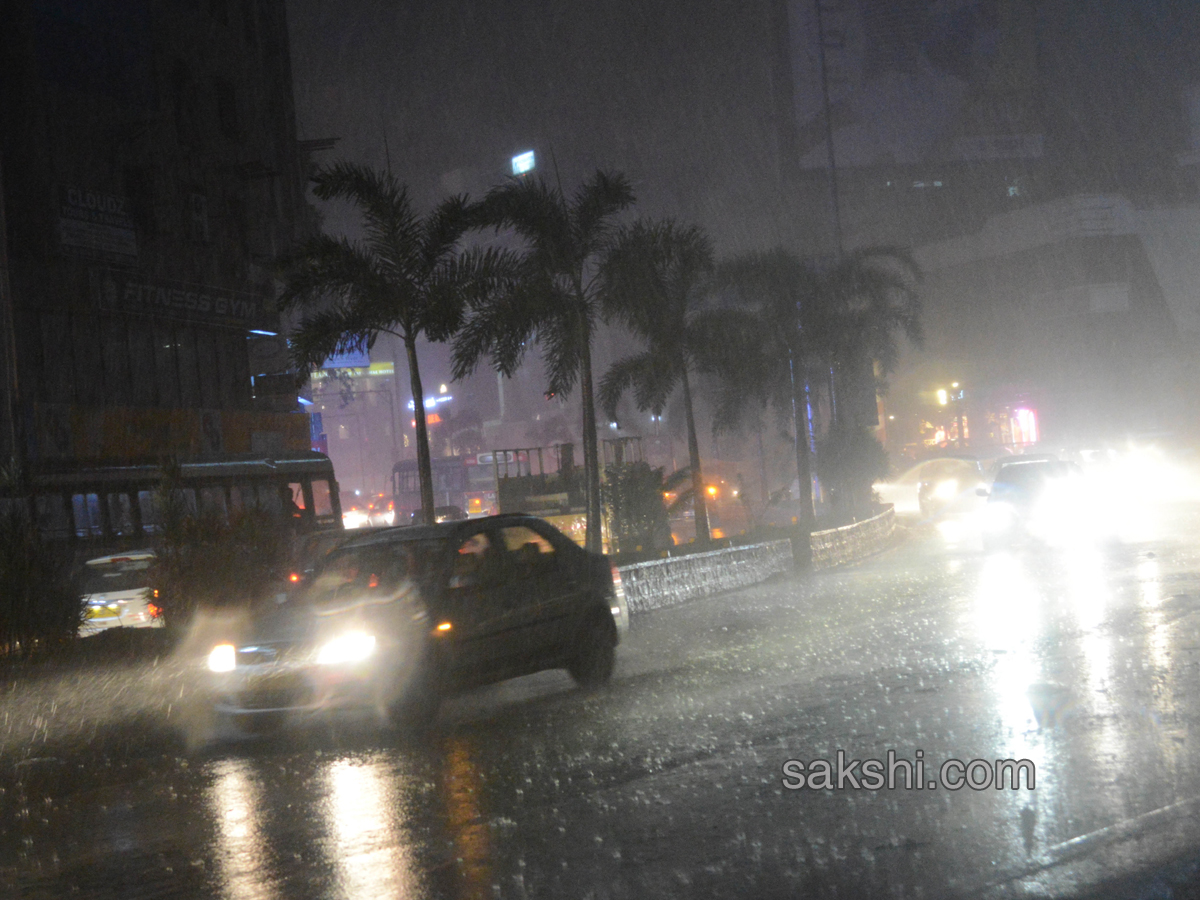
116 575
1029 476
379 570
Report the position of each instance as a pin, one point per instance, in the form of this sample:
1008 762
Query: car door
543 589
483 628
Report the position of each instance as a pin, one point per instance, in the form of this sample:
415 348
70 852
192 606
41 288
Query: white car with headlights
931 486
1044 499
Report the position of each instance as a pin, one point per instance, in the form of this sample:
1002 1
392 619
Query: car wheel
596 653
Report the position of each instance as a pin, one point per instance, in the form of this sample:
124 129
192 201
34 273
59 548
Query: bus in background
108 509
465 482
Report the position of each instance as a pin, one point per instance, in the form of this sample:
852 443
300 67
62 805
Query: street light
955 395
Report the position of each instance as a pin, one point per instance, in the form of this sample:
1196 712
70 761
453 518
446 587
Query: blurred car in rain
394 621
943 481
932 486
1042 498
117 593
367 511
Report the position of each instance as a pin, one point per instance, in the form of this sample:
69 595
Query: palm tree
769 357
840 320
407 278
556 299
654 280
872 295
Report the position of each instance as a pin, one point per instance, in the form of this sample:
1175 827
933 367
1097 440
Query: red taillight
294 578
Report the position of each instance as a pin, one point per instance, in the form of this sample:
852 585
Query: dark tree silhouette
555 301
408 277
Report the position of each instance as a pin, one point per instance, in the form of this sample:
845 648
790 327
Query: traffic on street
713 764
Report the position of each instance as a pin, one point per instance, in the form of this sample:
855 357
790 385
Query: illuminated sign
431 402
522 163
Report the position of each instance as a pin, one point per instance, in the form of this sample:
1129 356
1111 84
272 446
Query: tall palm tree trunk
699 503
424 470
591 455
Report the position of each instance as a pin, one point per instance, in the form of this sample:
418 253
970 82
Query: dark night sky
681 95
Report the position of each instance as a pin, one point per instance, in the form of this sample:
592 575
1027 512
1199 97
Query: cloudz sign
129 292
96 225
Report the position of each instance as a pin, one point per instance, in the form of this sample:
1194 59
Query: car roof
443 531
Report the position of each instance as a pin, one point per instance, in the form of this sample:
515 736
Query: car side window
476 562
531 552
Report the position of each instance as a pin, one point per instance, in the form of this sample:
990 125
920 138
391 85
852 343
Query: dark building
1040 162
150 173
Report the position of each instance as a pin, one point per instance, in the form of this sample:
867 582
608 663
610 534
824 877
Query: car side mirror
981 492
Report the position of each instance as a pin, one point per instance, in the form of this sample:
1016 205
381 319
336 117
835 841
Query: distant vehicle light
351 647
222 658
294 577
444 626
354 518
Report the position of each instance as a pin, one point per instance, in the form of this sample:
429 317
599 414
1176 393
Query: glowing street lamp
523 163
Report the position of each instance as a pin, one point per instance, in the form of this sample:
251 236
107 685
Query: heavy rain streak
617 450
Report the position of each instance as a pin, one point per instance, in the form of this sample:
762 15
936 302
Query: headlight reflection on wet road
369 850
243 860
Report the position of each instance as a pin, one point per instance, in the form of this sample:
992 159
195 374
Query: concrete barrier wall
838 546
665 582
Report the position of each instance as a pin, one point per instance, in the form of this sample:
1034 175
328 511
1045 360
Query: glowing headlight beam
222 658
946 490
352 647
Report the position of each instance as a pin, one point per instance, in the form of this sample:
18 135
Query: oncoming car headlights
222 658
352 647
946 490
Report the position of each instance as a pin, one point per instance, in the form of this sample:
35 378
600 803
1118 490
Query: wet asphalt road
1085 661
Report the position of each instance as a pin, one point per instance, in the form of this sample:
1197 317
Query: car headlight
946 490
222 658
352 647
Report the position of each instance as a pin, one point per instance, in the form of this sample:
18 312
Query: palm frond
647 375
326 267
561 339
594 205
442 229
326 332
501 325
537 213
466 280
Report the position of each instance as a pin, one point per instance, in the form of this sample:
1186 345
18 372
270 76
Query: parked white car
116 593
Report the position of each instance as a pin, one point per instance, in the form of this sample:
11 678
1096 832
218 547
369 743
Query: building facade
150 175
